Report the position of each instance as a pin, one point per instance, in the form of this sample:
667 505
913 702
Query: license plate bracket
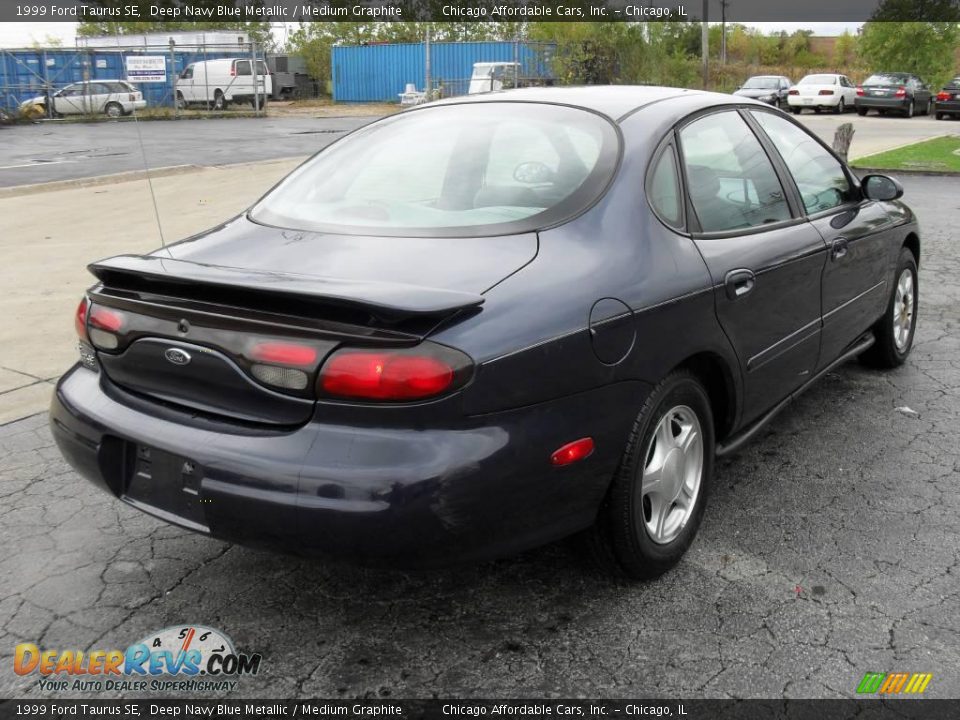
166 482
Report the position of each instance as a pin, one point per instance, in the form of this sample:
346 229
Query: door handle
739 283
838 248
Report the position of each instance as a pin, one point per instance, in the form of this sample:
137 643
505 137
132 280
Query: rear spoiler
390 301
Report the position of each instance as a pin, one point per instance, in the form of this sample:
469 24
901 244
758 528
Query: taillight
282 364
233 70
859 91
393 375
793 92
943 96
102 323
825 92
80 320
901 92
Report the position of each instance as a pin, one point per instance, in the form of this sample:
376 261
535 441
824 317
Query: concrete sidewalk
48 238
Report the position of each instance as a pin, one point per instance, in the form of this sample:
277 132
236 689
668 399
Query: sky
25 34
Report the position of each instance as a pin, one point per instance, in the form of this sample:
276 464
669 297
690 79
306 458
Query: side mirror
881 187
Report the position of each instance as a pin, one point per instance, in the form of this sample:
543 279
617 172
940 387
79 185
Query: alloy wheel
903 310
673 469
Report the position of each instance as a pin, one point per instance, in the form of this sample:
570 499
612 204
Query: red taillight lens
943 96
284 354
901 92
793 92
80 320
826 92
572 452
859 91
104 319
409 374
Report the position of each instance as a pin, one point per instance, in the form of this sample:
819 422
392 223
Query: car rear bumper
373 494
882 103
134 105
947 106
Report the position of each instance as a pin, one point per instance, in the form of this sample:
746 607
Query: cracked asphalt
831 547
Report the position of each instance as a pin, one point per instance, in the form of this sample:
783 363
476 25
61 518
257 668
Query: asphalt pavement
52 150
55 150
830 548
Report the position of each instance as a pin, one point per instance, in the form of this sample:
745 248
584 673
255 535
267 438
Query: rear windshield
760 83
886 79
458 170
819 80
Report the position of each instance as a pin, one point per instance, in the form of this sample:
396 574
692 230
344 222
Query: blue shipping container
379 73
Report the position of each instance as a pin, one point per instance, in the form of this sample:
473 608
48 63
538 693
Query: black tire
841 107
817 110
928 110
619 540
910 110
796 110
941 116
862 112
181 103
885 353
113 110
219 101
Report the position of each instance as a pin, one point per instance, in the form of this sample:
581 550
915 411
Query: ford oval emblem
177 356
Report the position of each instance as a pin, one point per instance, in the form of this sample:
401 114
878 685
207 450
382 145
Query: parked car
899 92
420 359
821 92
217 83
109 97
948 100
771 89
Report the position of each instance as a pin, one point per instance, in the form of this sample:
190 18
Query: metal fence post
173 80
254 76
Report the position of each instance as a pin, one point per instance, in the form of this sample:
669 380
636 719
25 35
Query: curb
891 171
127 176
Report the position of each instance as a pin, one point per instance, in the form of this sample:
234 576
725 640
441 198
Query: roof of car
614 101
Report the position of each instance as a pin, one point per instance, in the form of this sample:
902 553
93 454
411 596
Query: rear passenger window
730 179
243 67
664 189
819 175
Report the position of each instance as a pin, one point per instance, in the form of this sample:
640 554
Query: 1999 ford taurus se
486 324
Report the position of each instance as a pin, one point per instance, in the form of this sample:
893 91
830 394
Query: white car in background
822 91
112 98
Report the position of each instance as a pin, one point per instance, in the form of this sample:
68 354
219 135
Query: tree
923 48
845 50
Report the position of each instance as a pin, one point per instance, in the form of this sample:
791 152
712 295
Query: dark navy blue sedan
488 323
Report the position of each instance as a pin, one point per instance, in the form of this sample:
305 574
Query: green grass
940 154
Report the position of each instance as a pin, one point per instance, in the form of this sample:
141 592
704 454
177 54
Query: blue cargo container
379 73
25 73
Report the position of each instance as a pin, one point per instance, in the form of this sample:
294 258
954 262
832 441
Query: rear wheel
841 107
113 110
796 110
861 112
894 331
657 498
219 101
928 110
941 116
181 102
909 111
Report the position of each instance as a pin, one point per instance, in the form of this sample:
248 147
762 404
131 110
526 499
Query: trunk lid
200 323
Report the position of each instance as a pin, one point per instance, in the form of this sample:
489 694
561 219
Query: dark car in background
552 322
896 92
770 89
947 102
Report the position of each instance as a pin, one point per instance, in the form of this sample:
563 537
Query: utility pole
723 31
705 44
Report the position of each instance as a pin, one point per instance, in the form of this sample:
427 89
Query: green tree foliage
845 50
259 31
924 48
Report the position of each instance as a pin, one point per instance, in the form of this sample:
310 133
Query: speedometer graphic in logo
183 638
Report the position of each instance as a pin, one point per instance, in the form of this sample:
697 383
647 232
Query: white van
216 83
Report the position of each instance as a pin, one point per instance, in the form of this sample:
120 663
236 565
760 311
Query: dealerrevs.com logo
190 658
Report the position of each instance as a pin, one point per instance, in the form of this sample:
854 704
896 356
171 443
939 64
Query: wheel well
718 382
912 243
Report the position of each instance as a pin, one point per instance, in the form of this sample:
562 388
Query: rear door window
242 67
730 179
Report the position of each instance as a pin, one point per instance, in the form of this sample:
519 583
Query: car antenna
146 171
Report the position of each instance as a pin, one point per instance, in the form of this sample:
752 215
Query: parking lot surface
830 548
50 151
